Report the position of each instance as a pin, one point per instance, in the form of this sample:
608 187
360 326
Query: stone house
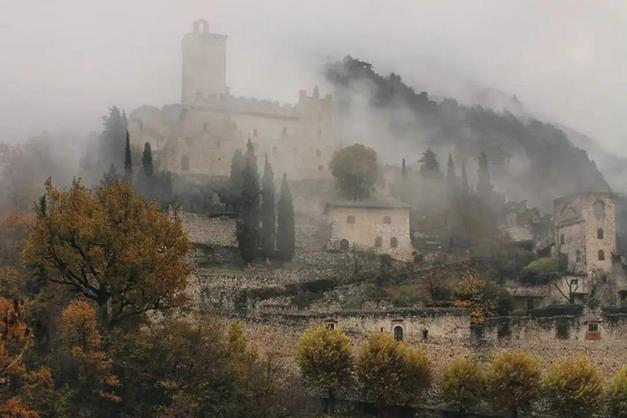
373 225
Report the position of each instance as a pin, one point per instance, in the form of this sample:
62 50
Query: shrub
558 310
463 384
325 360
617 395
540 271
573 388
416 374
513 380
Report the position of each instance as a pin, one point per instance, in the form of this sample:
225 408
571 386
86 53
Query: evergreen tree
268 219
147 160
285 230
110 177
484 179
248 223
465 186
451 177
430 167
403 170
232 195
128 162
112 139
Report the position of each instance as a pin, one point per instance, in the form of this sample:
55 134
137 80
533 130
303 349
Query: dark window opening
350 219
344 245
330 325
593 327
398 333
185 163
600 233
378 242
320 168
394 242
562 239
578 256
562 329
598 208
601 255
425 334
503 330
387 220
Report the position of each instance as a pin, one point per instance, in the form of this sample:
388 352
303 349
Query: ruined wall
210 230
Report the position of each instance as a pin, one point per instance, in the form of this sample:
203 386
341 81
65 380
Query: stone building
585 231
199 135
375 225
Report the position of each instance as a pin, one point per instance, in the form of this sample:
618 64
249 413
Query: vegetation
617 395
248 223
514 381
286 238
325 360
463 384
268 215
355 170
477 295
573 388
111 247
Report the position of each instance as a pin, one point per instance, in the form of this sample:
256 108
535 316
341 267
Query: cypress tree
403 170
248 223
285 229
484 179
233 194
268 219
147 160
128 162
451 178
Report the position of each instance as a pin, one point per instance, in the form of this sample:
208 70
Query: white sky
65 61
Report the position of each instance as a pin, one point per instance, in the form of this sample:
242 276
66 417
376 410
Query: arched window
387 220
598 208
185 163
344 245
578 256
394 242
562 239
350 219
601 255
600 233
425 334
398 333
378 242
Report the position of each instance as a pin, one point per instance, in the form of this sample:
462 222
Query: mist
65 62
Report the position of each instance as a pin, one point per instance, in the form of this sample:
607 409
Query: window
387 220
329 325
398 333
562 329
394 242
598 208
593 327
378 242
601 255
600 233
185 163
344 245
205 127
318 153
350 219
562 239
320 168
578 256
284 131
425 334
574 283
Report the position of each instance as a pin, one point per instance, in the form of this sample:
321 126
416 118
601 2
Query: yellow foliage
514 380
477 295
463 383
617 394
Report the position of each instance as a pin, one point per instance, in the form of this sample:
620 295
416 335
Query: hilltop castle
199 135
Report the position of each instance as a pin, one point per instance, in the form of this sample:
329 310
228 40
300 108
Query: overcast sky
65 61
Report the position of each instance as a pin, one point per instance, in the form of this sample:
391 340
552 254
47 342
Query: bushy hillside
529 159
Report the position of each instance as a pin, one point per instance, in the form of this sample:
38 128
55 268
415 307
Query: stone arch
398 332
344 245
601 255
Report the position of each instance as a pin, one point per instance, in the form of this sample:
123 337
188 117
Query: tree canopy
355 170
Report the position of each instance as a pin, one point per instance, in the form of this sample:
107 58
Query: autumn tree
573 388
325 360
248 222
268 215
514 381
111 247
286 234
83 368
463 384
617 395
390 372
477 295
355 171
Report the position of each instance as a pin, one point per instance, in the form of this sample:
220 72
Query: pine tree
128 162
285 229
484 179
248 223
147 160
430 167
268 219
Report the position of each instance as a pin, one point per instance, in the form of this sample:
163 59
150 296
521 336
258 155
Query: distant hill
530 159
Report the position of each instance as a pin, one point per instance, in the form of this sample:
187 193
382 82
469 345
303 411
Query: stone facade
216 230
585 231
377 226
200 135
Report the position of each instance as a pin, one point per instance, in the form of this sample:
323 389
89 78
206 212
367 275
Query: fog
64 62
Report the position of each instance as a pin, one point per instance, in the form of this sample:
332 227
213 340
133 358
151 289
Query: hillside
530 159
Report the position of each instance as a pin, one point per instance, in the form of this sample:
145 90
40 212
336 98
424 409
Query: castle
199 135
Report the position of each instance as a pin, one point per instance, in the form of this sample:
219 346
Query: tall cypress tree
248 223
285 240
147 160
451 178
232 195
465 186
128 162
268 219
403 170
484 179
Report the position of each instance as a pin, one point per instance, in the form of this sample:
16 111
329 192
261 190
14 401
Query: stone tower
204 64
